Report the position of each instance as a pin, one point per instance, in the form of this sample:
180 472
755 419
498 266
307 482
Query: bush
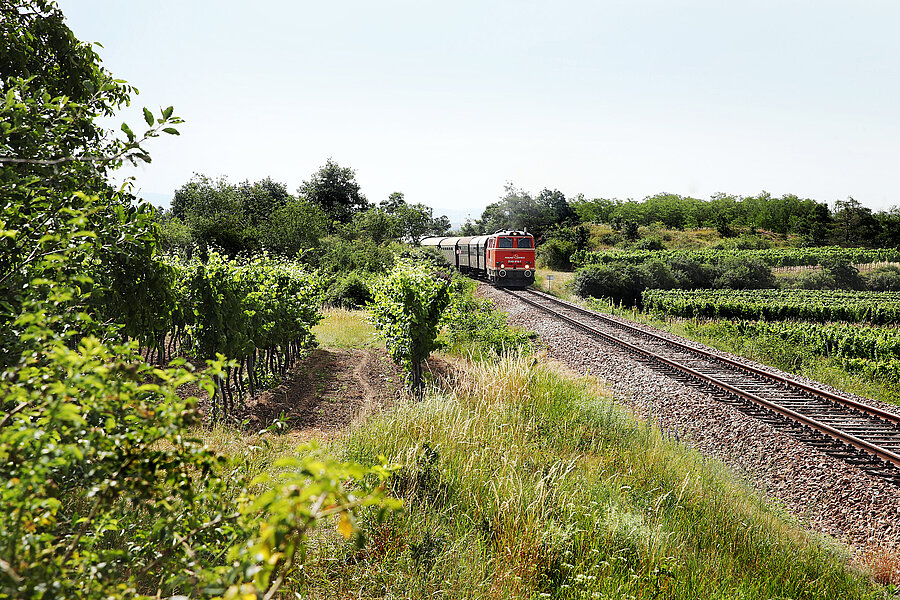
845 275
649 243
350 291
614 282
884 279
598 281
475 321
690 274
658 275
745 274
815 280
556 254
341 255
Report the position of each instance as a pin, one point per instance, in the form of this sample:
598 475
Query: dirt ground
329 389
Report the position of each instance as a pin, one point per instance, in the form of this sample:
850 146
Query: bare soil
327 390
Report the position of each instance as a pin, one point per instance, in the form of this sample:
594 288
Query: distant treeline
847 224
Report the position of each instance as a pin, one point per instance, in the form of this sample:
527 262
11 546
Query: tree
855 222
557 207
54 162
335 190
517 209
104 495
406 309
213 211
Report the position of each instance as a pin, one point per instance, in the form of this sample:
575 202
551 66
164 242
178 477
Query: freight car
505 258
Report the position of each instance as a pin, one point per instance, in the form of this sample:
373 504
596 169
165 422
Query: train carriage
505 258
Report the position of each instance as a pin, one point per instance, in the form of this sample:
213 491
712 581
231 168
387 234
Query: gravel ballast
824 493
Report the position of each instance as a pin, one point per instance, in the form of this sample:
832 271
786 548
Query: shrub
475 321
845 275
884 279
691 274
350 291
598 281
745 274
649 243
815 280
556 254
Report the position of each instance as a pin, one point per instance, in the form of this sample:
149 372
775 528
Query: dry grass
884 564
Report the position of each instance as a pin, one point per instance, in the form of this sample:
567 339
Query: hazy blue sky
447 102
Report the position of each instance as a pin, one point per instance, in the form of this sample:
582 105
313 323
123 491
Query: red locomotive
505 258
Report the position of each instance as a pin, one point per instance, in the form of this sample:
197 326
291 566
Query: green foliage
339 254
604 281
745 274
334 189
349 291
649 243
476 325
556 254
105 494
246 217
844 275
884 279
259 313
407 307
772 305
872 351
773 257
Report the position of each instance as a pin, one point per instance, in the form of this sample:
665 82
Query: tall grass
341 328
523 483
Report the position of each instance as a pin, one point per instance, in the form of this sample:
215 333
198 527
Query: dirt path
360 373
327 390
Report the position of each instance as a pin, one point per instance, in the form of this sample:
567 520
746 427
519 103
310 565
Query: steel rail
870 410
882 453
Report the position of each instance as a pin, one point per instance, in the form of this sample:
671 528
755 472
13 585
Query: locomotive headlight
502 265
502 273
527 272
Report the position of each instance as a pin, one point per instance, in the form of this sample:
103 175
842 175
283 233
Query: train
504 258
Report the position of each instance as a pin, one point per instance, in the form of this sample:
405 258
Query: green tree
406 309
103 495
213 211
855 223
335 190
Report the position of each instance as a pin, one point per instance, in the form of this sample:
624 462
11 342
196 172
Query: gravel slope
824 493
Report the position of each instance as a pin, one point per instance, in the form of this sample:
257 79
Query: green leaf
128 131
167 112
171 131
148 116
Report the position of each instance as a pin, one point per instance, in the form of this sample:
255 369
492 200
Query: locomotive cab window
524 243
505 242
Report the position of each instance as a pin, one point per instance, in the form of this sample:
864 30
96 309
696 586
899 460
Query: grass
525 483
560 285
341 328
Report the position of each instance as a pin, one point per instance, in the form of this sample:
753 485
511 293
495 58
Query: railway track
862 435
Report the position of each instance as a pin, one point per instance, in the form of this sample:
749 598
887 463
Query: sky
450 102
